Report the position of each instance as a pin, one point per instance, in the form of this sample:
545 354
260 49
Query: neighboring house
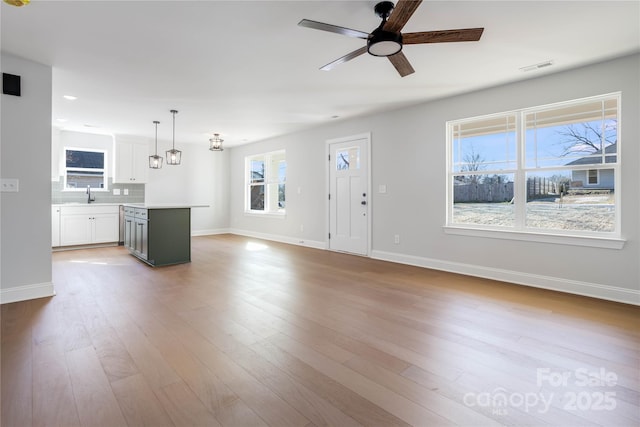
601 179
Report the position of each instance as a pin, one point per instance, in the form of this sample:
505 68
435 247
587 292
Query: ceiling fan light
384 43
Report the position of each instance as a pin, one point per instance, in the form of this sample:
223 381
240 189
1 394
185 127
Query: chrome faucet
89 198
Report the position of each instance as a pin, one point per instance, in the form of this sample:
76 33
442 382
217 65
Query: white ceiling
245 69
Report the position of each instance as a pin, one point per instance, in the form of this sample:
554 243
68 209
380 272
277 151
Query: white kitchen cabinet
131 161
55 226
84 225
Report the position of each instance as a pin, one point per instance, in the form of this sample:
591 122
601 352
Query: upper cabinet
131 159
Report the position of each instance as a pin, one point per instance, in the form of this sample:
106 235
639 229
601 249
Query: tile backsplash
136 194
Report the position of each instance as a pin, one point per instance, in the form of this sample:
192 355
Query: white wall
408 150
25 216
202 178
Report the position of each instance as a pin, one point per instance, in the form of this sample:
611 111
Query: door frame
367 137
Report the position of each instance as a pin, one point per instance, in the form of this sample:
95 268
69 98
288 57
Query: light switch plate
126 191
116 191
382 188
9 185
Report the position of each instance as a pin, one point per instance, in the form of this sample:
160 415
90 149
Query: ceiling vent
537 66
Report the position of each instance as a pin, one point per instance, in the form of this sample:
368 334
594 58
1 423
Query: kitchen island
158 234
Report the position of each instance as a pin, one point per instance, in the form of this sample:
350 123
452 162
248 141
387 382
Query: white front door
349 195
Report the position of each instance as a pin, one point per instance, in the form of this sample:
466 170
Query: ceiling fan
387 40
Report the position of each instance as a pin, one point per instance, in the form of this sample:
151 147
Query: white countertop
163 205
85 204
135 205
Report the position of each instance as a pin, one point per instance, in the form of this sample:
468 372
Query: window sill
266 214
589 241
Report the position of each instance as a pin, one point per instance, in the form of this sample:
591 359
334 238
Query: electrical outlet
9 185
396 239
126 191
301 228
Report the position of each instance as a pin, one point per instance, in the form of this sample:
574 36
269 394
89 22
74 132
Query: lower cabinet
85 225
129 226
158 236
136 231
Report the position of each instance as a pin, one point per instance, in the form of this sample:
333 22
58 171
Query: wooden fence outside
483 193
537 188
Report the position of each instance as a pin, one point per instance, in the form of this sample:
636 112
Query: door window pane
348 158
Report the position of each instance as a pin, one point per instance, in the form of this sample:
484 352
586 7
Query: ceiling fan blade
401 63
444 36
401 14
333 29
347 57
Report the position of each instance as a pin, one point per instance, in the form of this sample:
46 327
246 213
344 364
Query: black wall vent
10 84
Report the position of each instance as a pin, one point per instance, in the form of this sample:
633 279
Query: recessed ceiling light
61 120
70 97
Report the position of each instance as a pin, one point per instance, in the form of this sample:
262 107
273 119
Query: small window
85 168
592 178
266 180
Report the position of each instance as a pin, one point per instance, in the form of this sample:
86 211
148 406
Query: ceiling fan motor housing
383 9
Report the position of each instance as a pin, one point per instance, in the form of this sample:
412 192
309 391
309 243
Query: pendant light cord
174 128
156 122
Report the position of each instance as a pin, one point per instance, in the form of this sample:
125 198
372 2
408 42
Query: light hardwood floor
255 333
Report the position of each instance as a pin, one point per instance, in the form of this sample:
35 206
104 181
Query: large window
549 170
84 168
266 178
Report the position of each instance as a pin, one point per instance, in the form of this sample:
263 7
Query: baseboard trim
211 232
27 292
281 239
594 290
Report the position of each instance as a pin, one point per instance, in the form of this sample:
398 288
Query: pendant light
155 161
215 143
173 155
